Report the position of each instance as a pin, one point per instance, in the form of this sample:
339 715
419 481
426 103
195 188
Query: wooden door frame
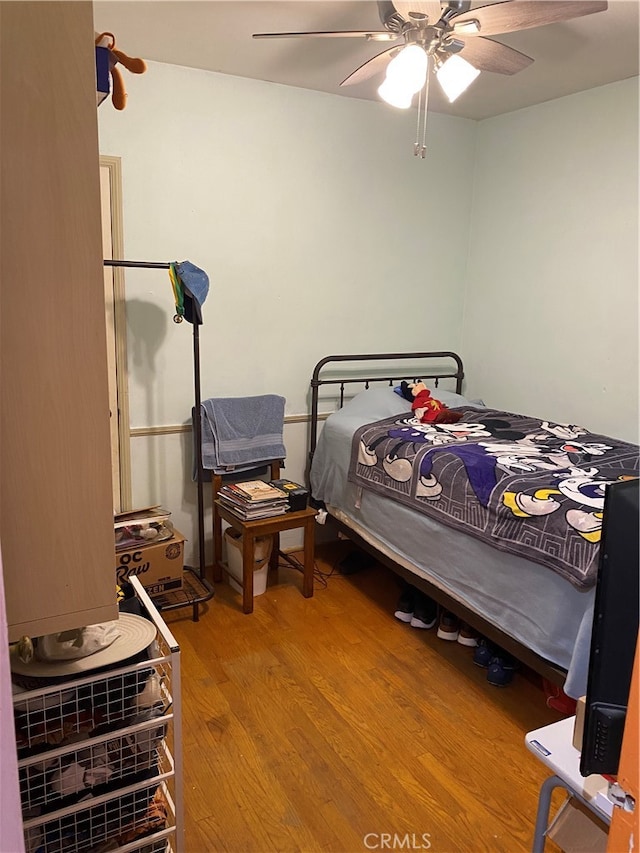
113 164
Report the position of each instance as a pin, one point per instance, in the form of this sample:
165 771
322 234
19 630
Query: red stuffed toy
427 409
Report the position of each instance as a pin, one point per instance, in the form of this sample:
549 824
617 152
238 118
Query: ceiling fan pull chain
423 149
416 144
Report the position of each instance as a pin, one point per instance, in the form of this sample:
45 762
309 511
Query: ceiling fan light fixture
409 68
406 75
455 75
394 95
434 32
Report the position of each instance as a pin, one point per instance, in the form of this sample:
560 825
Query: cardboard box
159 567
578 727
576 830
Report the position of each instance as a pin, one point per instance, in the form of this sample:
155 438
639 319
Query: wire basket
95 765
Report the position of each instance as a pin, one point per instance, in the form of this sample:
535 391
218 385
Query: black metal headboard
441 373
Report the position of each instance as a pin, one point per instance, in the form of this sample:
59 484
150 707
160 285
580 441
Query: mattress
536 606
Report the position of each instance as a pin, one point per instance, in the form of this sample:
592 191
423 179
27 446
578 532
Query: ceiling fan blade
430 8
372 35
370 67
522 14
488 55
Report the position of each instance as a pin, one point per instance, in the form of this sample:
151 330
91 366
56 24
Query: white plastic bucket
261 554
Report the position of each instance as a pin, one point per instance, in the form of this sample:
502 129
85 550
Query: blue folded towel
239 432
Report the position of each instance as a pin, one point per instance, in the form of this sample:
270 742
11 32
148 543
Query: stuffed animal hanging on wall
427 409
135 66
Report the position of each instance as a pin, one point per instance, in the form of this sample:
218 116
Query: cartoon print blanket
526 486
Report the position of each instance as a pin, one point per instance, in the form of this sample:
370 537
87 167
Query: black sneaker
404 607
425 612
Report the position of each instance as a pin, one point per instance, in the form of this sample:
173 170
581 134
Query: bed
539 613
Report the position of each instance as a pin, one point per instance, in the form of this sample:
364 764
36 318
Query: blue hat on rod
190 289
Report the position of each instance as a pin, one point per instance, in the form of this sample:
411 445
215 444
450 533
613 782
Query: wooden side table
251 530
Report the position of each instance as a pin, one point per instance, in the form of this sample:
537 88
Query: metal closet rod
151 265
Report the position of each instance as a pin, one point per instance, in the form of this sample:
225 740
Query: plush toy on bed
427 409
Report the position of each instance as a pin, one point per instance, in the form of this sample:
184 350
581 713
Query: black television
614 630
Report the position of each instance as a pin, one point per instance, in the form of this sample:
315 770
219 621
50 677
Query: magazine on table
254 491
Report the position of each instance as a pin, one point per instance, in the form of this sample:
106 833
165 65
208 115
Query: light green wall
515 243
319 229
551 313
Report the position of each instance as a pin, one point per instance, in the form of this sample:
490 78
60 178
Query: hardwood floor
320 724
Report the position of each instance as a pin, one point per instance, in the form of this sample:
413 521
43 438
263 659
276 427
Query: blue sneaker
484 652
501 670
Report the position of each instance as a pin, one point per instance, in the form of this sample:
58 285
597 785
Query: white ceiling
216 35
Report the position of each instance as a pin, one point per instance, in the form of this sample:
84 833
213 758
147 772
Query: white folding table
553 745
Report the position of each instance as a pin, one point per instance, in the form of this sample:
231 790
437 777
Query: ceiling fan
449 38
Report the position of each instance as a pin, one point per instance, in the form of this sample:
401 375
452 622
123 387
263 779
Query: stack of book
253 500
